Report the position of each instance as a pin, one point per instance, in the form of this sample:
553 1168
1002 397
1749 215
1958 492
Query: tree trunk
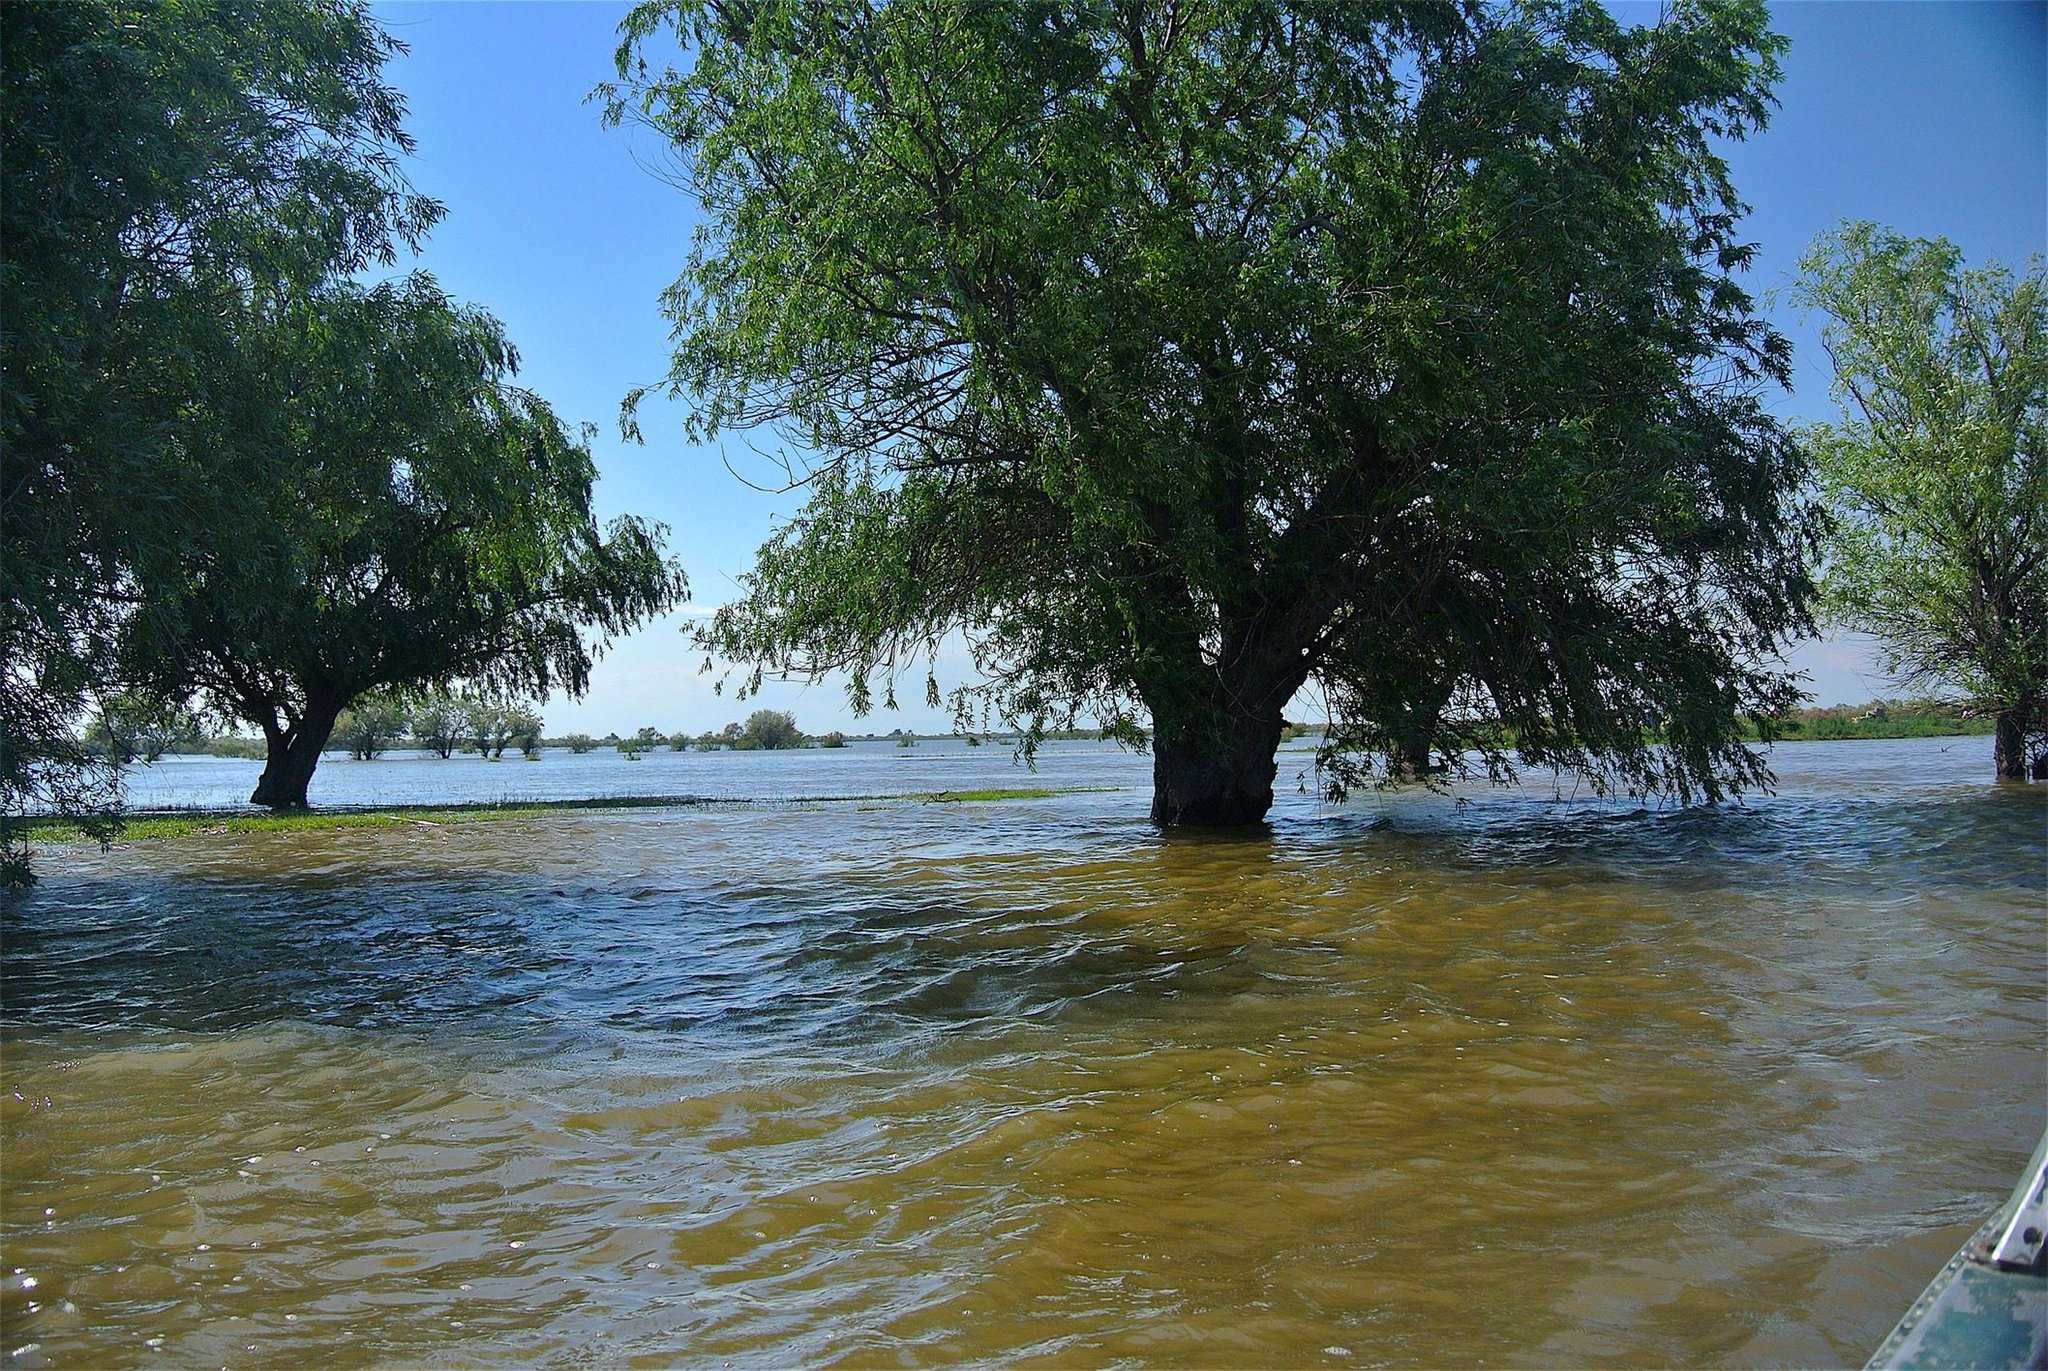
1409 758
1214 770
2009 745
292 755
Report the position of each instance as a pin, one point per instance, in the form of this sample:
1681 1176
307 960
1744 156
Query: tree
773 730
649 739
131 724
422 521
485 725
524 727
371 725
1180 359
833 739
580 743
708 741
160 167
437 722
1937 474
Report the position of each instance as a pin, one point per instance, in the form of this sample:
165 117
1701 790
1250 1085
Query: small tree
772 730
487 725
133 725
523 726
369 726
580 743
438 722
1937 475
833 739
708 741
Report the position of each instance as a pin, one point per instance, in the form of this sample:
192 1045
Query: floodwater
1506 1077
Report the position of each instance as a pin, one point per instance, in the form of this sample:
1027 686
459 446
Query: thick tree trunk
1214 770
293 753
2009 745
1409 755
1409 758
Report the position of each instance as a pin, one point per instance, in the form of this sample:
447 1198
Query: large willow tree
415 519
1186 357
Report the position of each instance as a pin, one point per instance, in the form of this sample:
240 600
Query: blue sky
1929 117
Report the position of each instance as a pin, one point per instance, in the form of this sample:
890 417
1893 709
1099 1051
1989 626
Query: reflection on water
1481 1079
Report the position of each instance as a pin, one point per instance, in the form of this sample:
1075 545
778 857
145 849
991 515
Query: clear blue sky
1929 117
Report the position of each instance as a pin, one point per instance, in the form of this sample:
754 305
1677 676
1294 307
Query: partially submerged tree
486 725
162 166
1181 358
423 521
1937 474
524 727
773 730
371 726
131 725
437 720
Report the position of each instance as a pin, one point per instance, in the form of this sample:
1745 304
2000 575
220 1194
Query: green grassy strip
158 824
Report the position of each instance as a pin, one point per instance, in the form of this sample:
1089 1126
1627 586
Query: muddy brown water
1497 1078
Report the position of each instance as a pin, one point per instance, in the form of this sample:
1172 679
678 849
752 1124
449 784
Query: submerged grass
159 824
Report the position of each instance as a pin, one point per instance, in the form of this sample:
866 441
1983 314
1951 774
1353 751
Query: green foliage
233 745
708 741
1883 719
420 520
580 743
1937 474
833 739
131 725
164 167
524 726
646 740
772 730
371 725
438 721
1180 357
485 725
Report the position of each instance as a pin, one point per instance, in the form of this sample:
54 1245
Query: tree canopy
772 730
163 166
1937 472
420 520
1182 359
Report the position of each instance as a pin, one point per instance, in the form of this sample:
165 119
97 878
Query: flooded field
1498 1078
